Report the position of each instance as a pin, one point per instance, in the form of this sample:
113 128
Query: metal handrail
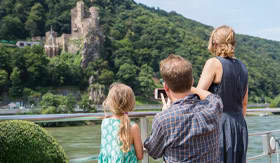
268 145
267 151
154 107
69 117
272 110
264 133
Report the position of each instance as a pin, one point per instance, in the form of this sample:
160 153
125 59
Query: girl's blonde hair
121 100
222 42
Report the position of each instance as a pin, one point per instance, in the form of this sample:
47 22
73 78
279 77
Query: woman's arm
245 102
208 73
136 136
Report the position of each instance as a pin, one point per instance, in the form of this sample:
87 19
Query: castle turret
94 14
77 17
80 10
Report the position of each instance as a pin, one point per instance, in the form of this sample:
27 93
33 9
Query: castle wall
63 42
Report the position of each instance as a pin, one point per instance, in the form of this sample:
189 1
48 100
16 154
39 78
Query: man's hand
167 104
201 93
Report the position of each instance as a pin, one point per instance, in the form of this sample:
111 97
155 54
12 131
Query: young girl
120 139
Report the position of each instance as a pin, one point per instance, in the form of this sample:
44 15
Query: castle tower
80 10
94 14
77 17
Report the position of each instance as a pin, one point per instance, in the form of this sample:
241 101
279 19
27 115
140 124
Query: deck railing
270 145
269 142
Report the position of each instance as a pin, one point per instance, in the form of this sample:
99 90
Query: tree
106 77
49 99
3 79
99 72
35 20
127 74
69 102
57 103
145 79
86 104
11 28
58 71
18 10
5 58
16 90
275 103
36 69
31 96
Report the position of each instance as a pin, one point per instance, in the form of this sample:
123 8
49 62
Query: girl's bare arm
136 136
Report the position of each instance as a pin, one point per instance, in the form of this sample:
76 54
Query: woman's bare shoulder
213 62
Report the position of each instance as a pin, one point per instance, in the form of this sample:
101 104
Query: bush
26 142
275 102
52 104
49 110
86 104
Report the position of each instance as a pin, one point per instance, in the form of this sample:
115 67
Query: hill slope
148 35
138 37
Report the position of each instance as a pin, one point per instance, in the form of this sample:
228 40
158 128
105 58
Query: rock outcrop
93 40
96 92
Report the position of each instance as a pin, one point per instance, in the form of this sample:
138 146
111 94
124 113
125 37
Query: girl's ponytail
121 100
124 133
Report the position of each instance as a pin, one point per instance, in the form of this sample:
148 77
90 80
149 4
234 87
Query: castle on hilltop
82 23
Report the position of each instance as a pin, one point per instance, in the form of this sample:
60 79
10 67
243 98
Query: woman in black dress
228 77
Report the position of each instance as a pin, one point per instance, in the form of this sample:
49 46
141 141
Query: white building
22 44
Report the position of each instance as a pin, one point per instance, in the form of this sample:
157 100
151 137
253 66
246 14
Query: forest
137 37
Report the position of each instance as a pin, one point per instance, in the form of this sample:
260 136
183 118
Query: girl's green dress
110 151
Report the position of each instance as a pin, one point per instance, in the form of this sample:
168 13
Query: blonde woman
120 139
227 76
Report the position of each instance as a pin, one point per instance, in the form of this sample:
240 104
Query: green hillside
136 39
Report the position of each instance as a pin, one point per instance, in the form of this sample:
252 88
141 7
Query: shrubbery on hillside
136 37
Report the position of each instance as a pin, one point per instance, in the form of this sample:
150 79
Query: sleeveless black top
233 85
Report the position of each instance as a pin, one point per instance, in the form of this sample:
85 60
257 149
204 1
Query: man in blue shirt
188 130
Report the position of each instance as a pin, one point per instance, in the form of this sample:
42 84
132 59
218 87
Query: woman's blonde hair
121 100
222 42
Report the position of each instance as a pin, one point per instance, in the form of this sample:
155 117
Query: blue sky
252 17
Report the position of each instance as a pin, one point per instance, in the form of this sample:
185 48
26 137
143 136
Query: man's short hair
176 73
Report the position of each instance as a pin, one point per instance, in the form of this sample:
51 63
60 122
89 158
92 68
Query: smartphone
158 92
